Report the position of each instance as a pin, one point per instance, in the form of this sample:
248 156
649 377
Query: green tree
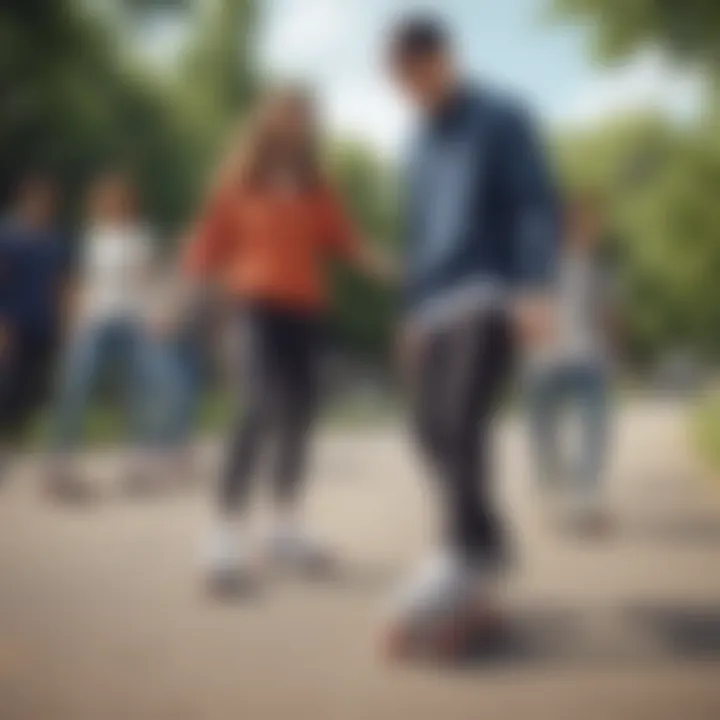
687 29
75 96
364 309
661 183
217 79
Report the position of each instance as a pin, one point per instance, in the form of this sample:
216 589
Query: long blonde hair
255 150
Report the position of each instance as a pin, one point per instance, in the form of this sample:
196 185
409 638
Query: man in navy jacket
481 231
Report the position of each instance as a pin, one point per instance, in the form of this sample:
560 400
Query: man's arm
536 225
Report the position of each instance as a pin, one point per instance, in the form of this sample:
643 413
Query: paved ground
101 614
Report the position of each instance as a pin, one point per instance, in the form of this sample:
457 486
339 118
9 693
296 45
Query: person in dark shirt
481 227
32 287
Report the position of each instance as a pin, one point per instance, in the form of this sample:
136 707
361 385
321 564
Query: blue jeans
181 359
147 381
581 387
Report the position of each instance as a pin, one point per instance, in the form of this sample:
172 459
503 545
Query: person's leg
427 382
181 422
37 365
189 354
461 371
257 371
44 358
592 397
459 374
13 384
174 424
295 411
151 380
13 392
228 559
173 364
7 375
481 359
294 418
543 405
79 371
80 368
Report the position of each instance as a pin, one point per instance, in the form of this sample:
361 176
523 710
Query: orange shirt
271 247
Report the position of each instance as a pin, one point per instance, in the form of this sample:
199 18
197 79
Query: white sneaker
440 607
228 562
293 549
442 583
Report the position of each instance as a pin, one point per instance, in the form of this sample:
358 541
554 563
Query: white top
116 272
582 300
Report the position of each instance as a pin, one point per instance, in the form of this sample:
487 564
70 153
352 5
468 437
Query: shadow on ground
631 635
692 530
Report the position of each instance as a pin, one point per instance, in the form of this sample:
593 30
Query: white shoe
438 610
228 562
293 549
443 582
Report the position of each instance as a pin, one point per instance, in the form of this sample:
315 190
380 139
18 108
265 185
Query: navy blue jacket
481 204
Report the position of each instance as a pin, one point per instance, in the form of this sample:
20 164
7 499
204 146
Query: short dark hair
417 36
31 178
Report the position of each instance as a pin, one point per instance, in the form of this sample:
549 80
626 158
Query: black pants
456 380
278 391
25 377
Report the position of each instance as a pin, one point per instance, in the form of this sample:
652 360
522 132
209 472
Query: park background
103 609
628 92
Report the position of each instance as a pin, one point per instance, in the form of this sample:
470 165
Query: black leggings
278 391
25 383
457 378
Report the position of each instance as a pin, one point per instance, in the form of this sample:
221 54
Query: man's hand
535 319
378 263
409 345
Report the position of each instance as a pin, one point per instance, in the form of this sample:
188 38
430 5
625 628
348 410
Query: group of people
496 275
112 317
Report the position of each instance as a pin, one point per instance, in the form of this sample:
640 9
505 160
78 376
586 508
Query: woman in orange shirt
269 228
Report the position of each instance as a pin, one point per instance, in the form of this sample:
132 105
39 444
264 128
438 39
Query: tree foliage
661 185
364 310
75 98
688 29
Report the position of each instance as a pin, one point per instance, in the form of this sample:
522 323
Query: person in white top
116 272
112 327
571 371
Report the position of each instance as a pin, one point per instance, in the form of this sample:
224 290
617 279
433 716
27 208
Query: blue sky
337 46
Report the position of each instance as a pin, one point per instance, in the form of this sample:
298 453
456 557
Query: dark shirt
32 272
481 205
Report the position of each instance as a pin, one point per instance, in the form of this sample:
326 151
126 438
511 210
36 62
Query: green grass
705 430
105 423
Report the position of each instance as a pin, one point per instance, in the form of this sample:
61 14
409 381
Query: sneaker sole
447 639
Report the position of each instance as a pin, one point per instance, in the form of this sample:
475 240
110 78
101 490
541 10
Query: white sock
226 542
287 525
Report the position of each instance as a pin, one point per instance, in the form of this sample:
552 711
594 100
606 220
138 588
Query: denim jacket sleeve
533 198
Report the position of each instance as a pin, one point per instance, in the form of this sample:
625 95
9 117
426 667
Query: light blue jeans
579 387
148 382
180 359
